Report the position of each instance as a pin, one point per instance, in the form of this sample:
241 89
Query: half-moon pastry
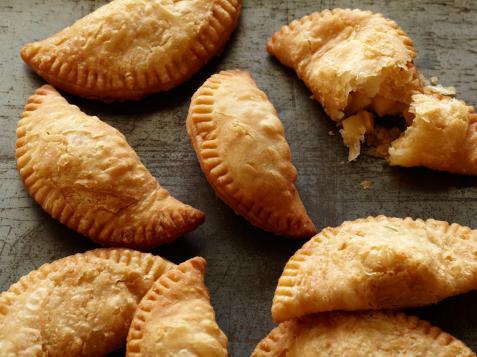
442 136
81 305
241 147
129 48
362 334
351 60
175 317
377 263
83 173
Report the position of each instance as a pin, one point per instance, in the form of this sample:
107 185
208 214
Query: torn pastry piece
81 305
377 263
129 48
241 147
354 129
359 334
83 173
351 60
442 136
175 317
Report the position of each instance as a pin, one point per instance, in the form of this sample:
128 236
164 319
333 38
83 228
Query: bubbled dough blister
80 305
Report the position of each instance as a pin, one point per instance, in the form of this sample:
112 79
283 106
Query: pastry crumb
354 129
434 80
439 89
331 133
365 184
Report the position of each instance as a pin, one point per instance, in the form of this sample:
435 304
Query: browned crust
159 227
200 121
90 84
149 264
316 16
286 292
170 288
279 340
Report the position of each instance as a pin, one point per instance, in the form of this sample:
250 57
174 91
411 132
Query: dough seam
134 84
279 339
147 262
201 125
166 223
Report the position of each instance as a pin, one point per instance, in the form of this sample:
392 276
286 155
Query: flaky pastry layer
175 317
351 60
241 147
81 305
377 263
129 48
359 334
442 136
83 173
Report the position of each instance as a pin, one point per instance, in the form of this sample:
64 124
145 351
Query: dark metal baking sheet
243 262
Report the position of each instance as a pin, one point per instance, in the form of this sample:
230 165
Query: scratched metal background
244 263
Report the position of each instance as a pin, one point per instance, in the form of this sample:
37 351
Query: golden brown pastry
175 317
442 136
350 60
363 334
81 305
241 147
83 172
129 48
377 263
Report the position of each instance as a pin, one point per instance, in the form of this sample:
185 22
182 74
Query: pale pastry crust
377 263
83 173
241 147
81 305
359 334
175 317
442 136
129 48
350 60
354 130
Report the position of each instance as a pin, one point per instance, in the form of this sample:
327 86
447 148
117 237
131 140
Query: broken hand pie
350 60
359 334
83 173
241 147
129 48
81 305
175 317
442 136
377 263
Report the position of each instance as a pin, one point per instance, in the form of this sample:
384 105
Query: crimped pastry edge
278 340
162 285
327 12
221 25
185 218
284 293
200 113
146 261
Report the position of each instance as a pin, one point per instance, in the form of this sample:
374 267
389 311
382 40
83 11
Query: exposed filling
378 104
377 133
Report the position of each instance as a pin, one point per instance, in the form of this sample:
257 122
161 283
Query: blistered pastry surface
377 263
81 305
341 51
359 334
241 146
84 173
175 318
128 48
442 136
